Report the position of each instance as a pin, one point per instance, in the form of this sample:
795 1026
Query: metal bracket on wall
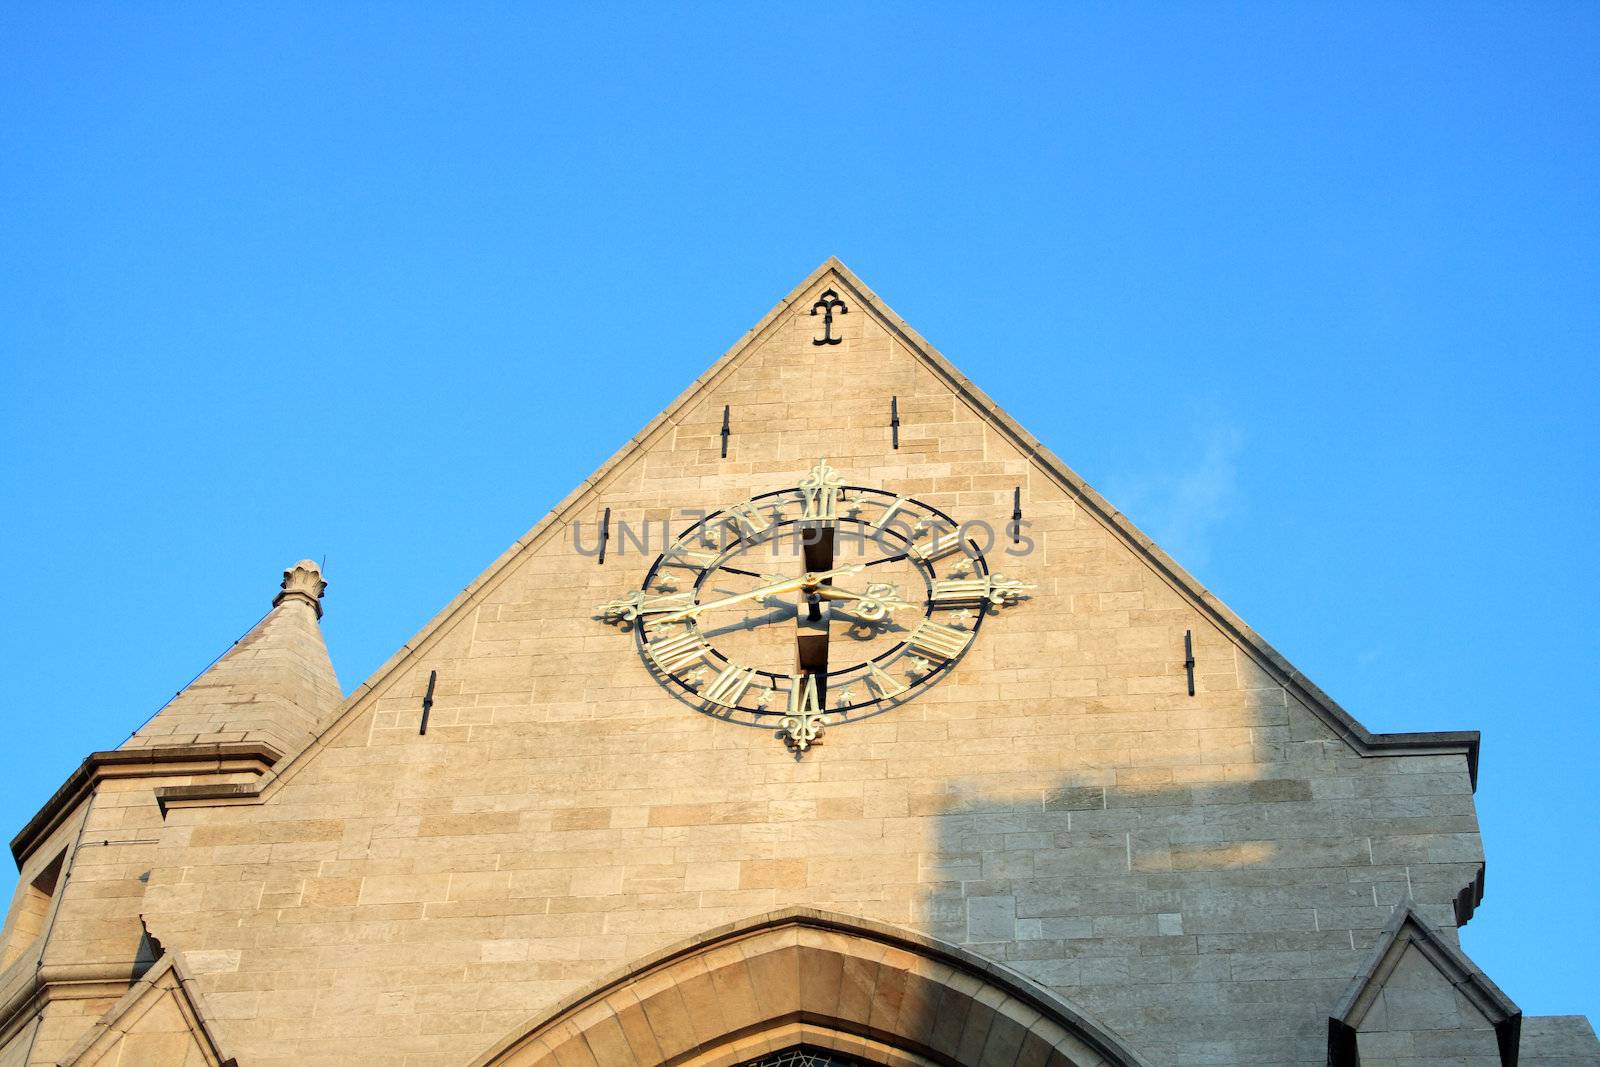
725 431
1016 515
605 534
427 701
827 302
1188 657
894 420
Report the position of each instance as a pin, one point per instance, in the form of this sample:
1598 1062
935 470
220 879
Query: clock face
812 606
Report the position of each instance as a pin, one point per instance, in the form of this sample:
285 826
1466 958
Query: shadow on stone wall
1226 916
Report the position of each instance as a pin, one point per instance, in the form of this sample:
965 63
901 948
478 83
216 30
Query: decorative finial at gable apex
303 581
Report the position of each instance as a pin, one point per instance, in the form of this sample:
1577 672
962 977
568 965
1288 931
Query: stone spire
275 686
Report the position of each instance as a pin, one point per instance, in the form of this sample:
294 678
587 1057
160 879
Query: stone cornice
247 757
60 982
207 795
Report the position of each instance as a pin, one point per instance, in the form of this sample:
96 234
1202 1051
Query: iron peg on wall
894 420
725 431
605 534
1188 657
427 701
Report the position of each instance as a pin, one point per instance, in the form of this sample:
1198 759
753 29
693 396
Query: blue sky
1308 291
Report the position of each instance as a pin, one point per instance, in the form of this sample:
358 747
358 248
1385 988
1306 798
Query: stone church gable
1094 807
666 469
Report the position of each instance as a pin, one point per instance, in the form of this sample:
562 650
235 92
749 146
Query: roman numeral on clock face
883 684
691 558
821 503
748 522
803 695
672 653
660 603
889 512
728 686
957 590
938 546
937 639
820 492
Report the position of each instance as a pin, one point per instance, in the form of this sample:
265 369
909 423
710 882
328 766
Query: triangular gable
580 502
161 1019
1407 930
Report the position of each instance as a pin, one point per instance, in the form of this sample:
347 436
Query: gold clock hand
805 581
818 579
839 592
874 604
763 592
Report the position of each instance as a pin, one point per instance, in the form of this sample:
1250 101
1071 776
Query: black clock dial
812 605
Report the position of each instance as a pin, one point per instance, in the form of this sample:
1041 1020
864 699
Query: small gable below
1421 1002
158 1021
1418 1017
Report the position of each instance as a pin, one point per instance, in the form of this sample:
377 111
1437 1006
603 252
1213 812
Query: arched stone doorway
804 978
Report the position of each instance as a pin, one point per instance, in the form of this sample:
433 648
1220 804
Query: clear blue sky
1309 291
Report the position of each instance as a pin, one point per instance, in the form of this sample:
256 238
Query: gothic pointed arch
804 977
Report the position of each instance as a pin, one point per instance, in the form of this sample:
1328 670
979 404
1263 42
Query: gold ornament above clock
812 606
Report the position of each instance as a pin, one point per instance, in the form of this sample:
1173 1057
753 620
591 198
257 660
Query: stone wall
1202 875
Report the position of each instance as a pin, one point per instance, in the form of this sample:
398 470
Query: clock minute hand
805 581
818 579
693 612
835 592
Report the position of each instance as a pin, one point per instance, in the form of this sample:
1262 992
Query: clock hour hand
879 600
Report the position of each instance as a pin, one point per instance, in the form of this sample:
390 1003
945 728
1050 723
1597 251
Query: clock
812 606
